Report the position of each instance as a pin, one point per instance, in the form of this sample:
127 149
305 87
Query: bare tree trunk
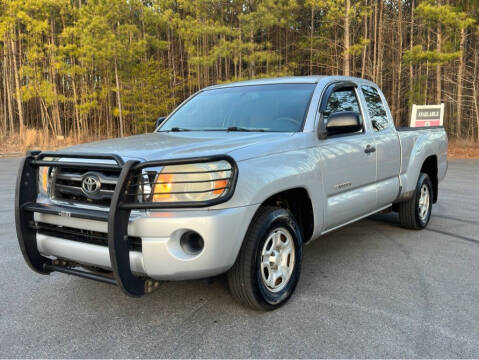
336 68
109 116
240 65
174 64
375 44
43 116
286 46
251 62
460 73
347 55
9 85
75 105
45 111
311 41
3 114
438 66
398 94
53 74
411 69
426 88
6 90
475 92
42 112
365 36
379 76
168 39
17 87
118 97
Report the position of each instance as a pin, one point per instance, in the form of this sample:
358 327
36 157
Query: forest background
79 70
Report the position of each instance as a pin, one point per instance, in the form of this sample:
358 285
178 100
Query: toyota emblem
91 184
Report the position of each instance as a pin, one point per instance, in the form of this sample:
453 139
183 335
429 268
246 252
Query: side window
377 112
343 99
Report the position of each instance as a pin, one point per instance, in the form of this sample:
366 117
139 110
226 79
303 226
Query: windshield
277 107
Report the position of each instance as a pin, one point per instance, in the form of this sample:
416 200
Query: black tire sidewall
273 220
423 179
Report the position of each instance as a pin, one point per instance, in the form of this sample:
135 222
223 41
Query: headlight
44 178
186 183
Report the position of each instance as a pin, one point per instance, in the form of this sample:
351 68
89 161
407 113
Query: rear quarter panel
416 146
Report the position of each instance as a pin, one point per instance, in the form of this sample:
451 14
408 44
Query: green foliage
446 15
147 96
356 49
77 60
417 54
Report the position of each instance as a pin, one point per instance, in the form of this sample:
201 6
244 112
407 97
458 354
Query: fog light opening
192 243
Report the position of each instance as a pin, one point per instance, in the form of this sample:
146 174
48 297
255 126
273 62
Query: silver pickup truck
236 179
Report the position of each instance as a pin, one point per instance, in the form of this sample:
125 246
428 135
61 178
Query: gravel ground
370 289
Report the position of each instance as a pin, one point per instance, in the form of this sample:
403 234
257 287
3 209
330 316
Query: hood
172 145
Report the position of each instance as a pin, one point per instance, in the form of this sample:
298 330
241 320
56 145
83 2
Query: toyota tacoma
235 180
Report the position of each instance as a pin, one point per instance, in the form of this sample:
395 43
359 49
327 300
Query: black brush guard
122 203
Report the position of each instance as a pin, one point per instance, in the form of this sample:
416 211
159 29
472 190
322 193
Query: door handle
369 149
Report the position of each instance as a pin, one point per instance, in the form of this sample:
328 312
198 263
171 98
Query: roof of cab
266 81
313 79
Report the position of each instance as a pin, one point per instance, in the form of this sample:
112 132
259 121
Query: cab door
348 162
387 145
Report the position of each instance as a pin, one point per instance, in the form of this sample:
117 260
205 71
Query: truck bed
416 145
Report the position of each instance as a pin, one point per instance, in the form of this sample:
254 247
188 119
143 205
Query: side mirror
159 121
343 122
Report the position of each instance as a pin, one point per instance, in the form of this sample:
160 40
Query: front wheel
268 266
416 212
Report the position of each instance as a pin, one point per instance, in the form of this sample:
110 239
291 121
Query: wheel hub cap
424 200
277 259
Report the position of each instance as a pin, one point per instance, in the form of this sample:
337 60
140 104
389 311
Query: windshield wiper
239 128
231 128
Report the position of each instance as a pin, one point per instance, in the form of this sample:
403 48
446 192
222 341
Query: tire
413 215
255 283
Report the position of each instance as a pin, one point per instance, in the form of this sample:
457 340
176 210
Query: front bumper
161 257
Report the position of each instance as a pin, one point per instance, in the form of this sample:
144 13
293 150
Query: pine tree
101 68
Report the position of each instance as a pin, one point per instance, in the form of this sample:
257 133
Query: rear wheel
415 213
268 266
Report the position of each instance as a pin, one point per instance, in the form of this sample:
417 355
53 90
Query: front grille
80 235
67 185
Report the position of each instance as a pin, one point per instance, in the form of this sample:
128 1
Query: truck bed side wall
416 147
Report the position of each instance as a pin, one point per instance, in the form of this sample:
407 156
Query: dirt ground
463 150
